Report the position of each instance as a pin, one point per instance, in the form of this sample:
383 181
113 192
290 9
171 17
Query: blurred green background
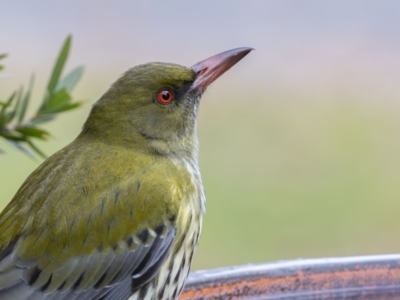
300 142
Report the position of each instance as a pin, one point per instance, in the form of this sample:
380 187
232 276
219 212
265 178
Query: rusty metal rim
364 275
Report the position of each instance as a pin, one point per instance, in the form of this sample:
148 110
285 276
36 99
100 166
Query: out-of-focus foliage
21 131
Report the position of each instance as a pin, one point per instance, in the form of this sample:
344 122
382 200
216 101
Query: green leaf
36 149
70 80
2 121
33 132
64 107
9 116
6 116
70 106
13 136
58 67
57 99
7 103
1 57
60 98
22 147
43 118
24 103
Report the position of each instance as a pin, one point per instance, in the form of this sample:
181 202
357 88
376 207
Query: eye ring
165 97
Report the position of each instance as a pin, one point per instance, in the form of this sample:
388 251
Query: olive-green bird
117 213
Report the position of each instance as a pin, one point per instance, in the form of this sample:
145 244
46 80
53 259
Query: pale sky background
310 58
308 44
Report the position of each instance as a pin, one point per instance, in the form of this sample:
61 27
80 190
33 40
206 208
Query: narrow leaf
2 121
8 102
60 98
33 132
24 103
13 136
43 118
9 116
1 57
36 149
70 80
58 67
22 147
65 107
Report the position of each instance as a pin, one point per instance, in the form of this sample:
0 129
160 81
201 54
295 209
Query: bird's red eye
165 97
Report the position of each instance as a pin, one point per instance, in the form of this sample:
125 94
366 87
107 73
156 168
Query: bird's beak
213 67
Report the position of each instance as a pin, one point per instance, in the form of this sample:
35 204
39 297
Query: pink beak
213 67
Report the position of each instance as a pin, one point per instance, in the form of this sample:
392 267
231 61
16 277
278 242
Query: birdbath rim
333 277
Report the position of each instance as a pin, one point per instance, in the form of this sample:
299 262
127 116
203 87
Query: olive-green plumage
117 213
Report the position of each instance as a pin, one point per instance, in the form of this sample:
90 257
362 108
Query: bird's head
155 105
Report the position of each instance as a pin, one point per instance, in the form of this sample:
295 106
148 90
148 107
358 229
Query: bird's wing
87 277
109 244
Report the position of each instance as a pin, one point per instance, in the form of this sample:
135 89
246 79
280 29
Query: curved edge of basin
333 276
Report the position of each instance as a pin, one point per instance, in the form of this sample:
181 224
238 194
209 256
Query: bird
117 213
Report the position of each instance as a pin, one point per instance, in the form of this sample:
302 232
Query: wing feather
98 263
70 233
10 278
106 273
113 269
125 268
6 262
17 291
61 275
